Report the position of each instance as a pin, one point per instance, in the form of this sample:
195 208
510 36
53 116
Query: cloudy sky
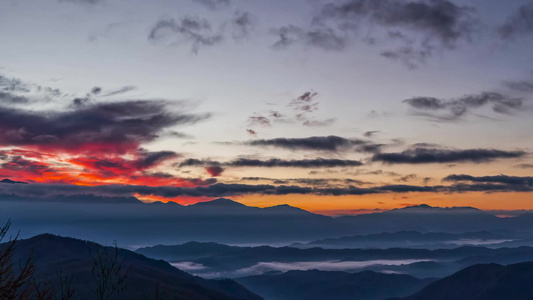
334 106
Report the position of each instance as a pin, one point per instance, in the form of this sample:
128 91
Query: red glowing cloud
91 143
214 171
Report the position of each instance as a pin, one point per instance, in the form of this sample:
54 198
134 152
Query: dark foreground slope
75 259
313 284
482 282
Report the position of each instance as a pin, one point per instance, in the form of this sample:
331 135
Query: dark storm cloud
213 4
149 159
194 30
319 143
441 19
123 167
226 190
503 179
518 24
273 163
309 181
432 155
420 28
456 108
120 126
214 190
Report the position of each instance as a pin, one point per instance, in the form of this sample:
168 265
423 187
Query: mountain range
216 260
415 239
133 223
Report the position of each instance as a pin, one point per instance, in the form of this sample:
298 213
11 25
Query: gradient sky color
339 106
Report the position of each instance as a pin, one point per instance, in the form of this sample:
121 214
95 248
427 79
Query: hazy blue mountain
483 282
74 257
230 261
133 223
409 239
313 284
187 251
425 218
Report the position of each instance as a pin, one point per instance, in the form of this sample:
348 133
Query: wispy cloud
194 30
417 28
420 155
213 4
518 24
503 179
275 162
454 109
319 143
299 110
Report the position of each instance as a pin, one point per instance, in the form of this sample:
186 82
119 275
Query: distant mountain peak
220 202
421 206
285 207
7 180
425 207
172 203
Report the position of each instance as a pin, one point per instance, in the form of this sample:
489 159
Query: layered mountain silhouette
187 251
426 218
133 222
411 239
483 282
74 258
230 261
314 284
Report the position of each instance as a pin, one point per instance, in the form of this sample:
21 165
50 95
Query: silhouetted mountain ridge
314 284
483 282
428 208
226 221
7 180
74 256
219 203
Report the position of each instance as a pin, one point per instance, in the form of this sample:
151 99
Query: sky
334 106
